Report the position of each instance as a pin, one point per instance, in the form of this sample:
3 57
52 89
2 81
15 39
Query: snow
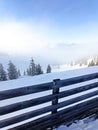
85 124
28 80
63 67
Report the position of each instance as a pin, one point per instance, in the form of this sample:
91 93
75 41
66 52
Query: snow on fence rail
68 114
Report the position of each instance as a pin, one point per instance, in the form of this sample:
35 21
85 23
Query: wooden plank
25 104
60 120
78 90
43 87
67 117
76 80
78 114
25 90
83 114
41 111
44 99
66 112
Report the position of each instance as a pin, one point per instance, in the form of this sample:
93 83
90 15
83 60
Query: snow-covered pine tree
92 63
28 73
39 69
48 69
3 75
32 68
12 71
19 74
97 62
24 73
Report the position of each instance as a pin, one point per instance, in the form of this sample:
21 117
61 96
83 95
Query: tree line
93 62
13 73
36 69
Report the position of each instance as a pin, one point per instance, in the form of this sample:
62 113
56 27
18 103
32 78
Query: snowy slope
64 67
28 80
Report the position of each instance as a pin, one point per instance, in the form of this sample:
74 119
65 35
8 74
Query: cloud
20 37
41 41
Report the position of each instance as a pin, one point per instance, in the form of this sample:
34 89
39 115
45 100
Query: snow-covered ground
86 124
64 67
28 80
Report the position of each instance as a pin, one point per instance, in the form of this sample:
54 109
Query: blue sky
35 27
61 12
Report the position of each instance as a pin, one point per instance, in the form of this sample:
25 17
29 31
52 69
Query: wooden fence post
55 100
55 91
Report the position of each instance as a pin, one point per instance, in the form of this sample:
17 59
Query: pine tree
39 69
97 62
28 73
92 63
3 75
12 71
32 68
19 74
24 73
48 69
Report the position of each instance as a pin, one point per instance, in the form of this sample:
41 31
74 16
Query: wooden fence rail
76 103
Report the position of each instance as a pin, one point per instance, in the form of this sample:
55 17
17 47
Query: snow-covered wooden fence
82 106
